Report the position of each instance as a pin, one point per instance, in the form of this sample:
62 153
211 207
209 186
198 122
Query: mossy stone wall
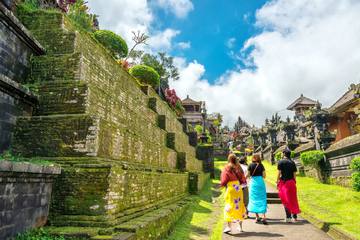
96 121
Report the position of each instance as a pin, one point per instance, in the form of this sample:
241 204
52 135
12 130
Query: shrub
312 158
355 177
145 74
355 164
278 156
113 42
292 154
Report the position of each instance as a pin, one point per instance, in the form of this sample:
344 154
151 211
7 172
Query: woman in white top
244 186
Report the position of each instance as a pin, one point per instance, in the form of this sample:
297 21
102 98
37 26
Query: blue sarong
257 195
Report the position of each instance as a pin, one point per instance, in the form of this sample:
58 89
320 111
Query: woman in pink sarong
286 183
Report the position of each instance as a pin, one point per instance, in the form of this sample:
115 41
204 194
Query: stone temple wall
122 150
16 48
25 191
338 159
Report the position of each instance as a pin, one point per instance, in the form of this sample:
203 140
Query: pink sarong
288 195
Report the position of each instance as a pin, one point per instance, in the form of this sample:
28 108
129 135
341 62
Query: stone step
273 201
48 68
272 195
156 224
68 97
118 236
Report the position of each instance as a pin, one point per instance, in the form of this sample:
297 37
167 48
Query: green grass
201 220
41 234
333 204
195 220
8 156
218 227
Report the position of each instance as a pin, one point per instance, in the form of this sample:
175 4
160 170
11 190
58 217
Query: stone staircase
273 198
127 162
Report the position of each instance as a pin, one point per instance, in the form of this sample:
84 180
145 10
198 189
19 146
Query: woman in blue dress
257 190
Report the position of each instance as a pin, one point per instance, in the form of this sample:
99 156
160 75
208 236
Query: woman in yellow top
232 177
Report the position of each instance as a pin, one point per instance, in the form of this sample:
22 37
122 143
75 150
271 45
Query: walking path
277 228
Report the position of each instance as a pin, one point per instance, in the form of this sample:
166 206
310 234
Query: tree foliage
161 62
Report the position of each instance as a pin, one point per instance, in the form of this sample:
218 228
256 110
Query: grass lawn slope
335 205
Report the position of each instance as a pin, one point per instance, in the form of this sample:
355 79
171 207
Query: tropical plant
198 129
113 42
174 101
278 156
355 176
78 12
146 75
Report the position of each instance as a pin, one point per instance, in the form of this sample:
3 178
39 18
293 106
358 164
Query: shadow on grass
196 216
199 230
216 193
326 226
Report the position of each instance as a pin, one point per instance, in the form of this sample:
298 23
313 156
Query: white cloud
123 16
230 43
307 46
180 8
162 41
126 16
184 45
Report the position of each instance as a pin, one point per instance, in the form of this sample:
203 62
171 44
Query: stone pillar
184 124
192 138
205 153
193 182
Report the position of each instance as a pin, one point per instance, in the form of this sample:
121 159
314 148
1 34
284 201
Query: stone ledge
21 31
25 167
344 143
326 227
17 90
304 147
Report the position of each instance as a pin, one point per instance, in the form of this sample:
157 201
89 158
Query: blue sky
295 47
209 28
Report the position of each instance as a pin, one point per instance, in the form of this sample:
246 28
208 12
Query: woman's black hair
287 152
242 160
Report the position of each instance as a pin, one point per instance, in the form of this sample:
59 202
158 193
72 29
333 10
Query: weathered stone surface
16 47
107 131
205 153
25 192
114 192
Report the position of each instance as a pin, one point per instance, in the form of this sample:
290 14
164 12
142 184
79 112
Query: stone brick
119 163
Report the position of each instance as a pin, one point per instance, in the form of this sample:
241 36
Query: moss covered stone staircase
127 164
